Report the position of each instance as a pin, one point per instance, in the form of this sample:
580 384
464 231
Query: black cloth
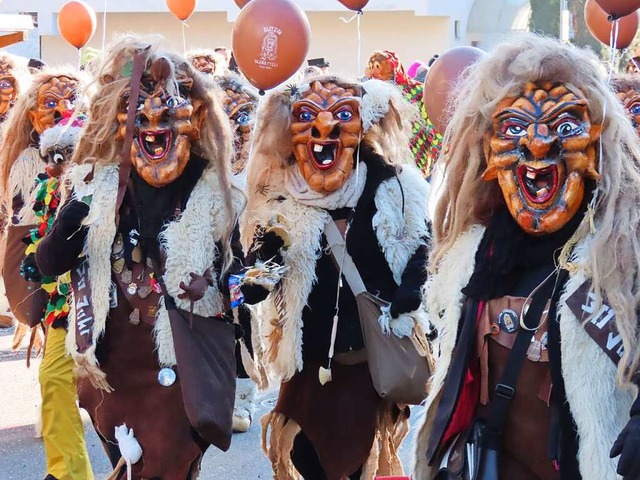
627 446
362 245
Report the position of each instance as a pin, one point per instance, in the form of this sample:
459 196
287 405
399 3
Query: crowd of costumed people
457 240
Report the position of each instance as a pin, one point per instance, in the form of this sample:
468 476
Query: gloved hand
269 246
405 300
253 293
197 286
69 219
627 446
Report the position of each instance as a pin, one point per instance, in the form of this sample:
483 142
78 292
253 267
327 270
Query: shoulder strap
338 248
506 388
125 155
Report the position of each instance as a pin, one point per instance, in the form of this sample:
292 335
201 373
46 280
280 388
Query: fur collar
399 236
190 244
600 407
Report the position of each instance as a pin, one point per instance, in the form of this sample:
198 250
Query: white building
415 29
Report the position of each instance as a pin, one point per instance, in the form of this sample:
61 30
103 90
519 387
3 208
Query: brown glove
197 286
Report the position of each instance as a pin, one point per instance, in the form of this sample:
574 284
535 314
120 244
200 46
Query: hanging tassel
324 374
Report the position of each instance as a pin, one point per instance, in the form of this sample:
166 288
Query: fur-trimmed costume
530 108
176 220
342 428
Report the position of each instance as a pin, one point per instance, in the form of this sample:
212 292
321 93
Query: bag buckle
505 391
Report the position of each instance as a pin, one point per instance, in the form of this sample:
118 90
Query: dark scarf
144 213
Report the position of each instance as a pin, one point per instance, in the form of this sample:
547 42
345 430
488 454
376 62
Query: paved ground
22 455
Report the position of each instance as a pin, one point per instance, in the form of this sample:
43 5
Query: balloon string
349 20
613 43
359 44
253 138
104 26
184 39
79 58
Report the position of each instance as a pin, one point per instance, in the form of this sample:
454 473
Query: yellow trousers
62 428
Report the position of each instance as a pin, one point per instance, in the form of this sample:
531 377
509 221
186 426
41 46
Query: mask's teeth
542 192
327 161
150 138
317 148
531 174
159 150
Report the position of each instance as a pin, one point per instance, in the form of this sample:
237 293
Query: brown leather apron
525 437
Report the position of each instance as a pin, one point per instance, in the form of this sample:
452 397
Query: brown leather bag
400 367
27 300
206 361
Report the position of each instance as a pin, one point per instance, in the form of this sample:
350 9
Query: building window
456 29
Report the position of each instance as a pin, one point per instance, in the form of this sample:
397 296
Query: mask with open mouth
55 99
541 151
630 99
8 90
166 123
326 130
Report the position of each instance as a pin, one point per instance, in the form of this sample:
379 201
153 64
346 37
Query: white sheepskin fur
189 242
22 182
282 351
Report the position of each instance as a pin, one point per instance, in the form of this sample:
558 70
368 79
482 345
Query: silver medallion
166 377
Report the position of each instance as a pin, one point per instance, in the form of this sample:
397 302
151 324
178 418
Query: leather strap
506 388
338 248
125 157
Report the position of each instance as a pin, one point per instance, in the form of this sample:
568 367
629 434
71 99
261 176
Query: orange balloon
182 9
619 8
441 81
600 27
356 5
77 23
241 3
270 41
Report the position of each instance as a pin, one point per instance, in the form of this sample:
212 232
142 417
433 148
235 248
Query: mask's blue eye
305 116
242 119
568 128
4 84
635 109
50 103
175 102
344 115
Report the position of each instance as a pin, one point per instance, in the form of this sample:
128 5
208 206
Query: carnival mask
326 130
55 99
205 64
630 99
541 151
380 67
8 90
239 107
56 160
165 125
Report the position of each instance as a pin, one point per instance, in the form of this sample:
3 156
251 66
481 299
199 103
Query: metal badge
132 288
166 377
508 320
127 275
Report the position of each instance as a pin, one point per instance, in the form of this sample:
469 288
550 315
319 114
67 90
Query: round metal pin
508 320
166 377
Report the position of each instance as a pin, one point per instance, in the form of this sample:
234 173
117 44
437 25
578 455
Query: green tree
581 34
545 17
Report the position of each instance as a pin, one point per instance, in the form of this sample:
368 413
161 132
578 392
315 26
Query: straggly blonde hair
112 81
16 130
613 258
272 148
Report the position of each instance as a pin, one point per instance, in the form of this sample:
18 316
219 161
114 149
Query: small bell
324 375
